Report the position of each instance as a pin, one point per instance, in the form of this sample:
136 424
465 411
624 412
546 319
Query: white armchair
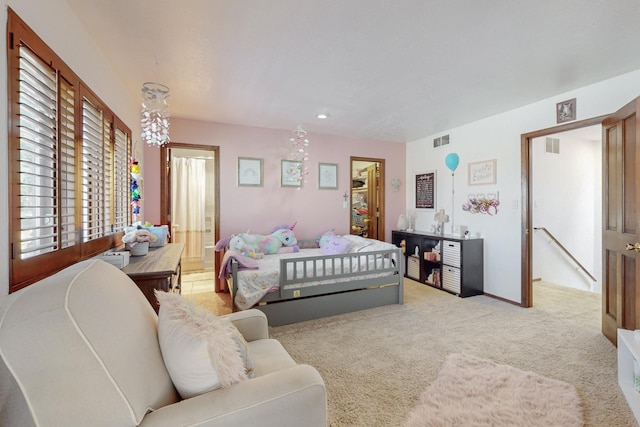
80 348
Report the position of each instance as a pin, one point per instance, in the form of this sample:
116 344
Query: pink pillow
335 245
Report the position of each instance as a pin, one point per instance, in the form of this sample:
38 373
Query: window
68 163
96 131
121 185
38 150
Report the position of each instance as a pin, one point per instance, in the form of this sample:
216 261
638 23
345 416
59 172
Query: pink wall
261 208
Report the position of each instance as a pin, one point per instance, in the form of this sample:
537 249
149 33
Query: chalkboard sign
426 190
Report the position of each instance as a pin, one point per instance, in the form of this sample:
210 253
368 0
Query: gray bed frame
299 303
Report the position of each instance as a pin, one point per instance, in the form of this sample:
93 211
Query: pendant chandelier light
155 114
299 155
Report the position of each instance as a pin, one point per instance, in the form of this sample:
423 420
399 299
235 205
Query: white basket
413 267
138 249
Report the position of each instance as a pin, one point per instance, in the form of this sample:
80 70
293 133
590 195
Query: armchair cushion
201 351
252 324
291 397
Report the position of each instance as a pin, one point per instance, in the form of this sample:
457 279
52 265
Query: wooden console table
160 269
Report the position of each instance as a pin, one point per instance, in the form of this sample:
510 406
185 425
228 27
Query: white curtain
188 179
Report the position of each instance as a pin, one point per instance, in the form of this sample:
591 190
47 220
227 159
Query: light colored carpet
376 363
478 392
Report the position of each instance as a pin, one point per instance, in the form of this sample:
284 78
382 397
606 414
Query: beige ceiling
387 70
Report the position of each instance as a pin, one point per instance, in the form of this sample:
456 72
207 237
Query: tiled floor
199 287
193 283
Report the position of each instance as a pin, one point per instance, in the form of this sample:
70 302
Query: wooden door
373 197
621 199
374 194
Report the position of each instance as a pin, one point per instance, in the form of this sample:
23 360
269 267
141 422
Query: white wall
498 137
71 43
567 200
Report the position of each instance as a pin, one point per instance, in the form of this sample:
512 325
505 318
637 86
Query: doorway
190 204
367 198
526 299
620 221
566 178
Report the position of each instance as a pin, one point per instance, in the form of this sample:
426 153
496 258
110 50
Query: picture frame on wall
426 190
290 173
483 172
250 172
327 176
566 111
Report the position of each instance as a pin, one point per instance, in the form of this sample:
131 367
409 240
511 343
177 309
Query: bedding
244 262
253 285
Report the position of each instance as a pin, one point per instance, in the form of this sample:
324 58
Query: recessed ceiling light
322 115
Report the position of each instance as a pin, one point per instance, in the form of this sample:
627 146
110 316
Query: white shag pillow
358 243
201 351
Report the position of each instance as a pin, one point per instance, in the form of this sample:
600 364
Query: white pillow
358 243
243 349
200 350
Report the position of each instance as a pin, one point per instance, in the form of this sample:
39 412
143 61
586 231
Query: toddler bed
294 287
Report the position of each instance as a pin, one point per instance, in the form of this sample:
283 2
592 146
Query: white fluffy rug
474 391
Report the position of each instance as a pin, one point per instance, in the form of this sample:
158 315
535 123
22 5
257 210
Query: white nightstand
628 349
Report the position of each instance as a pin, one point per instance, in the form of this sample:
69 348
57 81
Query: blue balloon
452 161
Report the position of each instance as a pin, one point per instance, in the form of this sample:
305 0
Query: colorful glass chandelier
299 155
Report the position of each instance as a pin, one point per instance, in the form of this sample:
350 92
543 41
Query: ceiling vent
441 141
552 146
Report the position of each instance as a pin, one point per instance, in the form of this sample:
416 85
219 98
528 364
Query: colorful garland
135 190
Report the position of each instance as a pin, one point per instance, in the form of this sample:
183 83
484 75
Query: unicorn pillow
280 240
324 237
335 245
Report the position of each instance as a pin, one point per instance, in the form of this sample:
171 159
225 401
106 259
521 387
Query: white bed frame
299 303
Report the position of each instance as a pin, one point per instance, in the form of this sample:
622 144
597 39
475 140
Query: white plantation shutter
108 176
68 163
122 197
37 99
105 174
93 163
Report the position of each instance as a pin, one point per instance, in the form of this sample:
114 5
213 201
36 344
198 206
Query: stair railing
555 240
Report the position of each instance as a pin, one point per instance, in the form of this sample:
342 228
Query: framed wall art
327 176
249 172
483 173
290 173
566 111
426 190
